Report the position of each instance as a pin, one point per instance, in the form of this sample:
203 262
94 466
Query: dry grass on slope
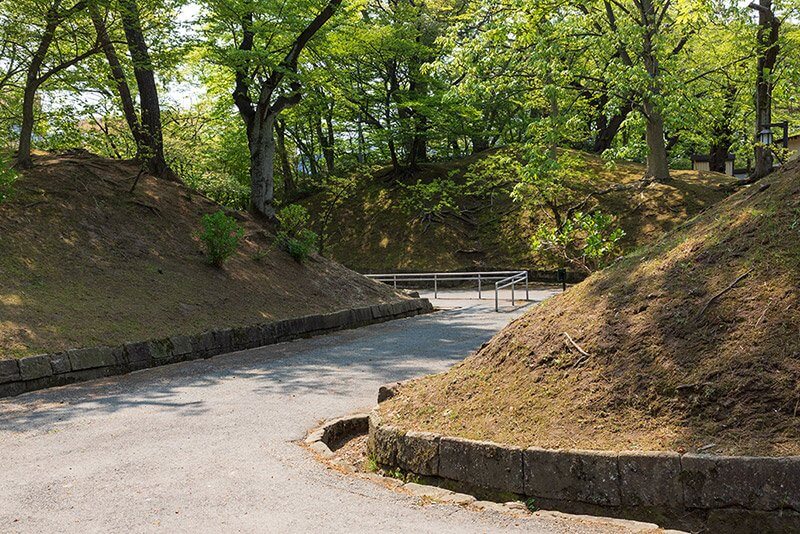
691 343
84 262
374 232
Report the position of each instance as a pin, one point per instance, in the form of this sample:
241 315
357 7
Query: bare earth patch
691 344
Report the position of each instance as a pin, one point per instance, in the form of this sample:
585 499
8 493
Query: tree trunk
32 83
768 27
262 161
607 129
289 188
723 132
657 165
328 142
479 143
117 74
153 142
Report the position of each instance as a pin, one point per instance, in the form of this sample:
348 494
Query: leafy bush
221 235
294 236
585 240
7 179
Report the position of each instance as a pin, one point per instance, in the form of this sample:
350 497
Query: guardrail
502 280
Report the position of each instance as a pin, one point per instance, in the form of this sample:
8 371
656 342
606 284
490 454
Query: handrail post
527 294
435 286
512 292
479 286
395 281
496 298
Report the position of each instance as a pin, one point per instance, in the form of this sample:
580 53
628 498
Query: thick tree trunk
768 28
32 83
262 161
153 149
657 165
24 160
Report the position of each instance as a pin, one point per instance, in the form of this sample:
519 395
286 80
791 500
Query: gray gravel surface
212 445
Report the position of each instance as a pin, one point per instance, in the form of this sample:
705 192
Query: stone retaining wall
624 480
48 370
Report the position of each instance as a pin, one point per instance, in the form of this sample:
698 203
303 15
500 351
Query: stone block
33 367
650 479
138 355
753 483
737 521
344 427
308 325
223 340
418 452
283 329
203 343
9 371
483 464
60 363
383 442
181 345
267 334
161 351
387 391
120 356
80 359
584 476
362 315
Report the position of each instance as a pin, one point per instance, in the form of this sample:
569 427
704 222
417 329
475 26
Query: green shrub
221 235
294 236
7 178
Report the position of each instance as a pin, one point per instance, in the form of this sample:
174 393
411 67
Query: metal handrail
503 278
512 281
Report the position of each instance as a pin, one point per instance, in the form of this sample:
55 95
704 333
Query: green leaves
220 235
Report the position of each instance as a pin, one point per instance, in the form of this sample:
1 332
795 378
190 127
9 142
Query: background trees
261 102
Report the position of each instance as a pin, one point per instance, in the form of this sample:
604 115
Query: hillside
84 262
373 229
690 343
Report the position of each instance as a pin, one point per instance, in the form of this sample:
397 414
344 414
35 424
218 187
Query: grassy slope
372 232
663 373
84 262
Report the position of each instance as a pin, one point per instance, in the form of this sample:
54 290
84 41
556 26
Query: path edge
42 371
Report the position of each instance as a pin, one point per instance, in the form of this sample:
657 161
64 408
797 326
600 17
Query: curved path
209 445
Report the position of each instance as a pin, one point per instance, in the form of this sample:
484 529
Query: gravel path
210 445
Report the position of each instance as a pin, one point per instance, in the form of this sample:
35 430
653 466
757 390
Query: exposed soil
372 231
693 343
85 262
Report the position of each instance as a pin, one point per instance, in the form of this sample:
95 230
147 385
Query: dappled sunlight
690 343
96 264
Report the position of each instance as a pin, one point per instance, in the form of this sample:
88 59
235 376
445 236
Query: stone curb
48 370
337 430
627 479
331 432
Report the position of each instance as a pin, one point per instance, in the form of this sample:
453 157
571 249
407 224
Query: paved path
210 445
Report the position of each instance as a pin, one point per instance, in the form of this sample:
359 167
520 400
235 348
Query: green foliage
586 240
8 177
221 235
294 236
432 197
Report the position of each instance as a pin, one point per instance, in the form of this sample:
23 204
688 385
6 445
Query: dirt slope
691 343
372 231
84 262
